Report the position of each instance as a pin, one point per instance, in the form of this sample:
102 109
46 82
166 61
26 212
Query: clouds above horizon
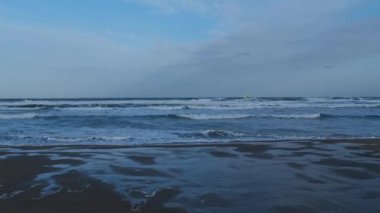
258 48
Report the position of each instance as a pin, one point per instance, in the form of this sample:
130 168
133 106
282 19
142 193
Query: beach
189 106
277 176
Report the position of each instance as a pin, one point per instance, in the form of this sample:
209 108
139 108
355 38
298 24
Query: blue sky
164 48
105 17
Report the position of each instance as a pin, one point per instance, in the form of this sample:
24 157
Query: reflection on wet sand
298 176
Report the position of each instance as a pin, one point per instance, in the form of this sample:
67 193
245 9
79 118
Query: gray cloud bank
286 48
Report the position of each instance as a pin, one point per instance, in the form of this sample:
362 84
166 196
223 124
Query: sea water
185 120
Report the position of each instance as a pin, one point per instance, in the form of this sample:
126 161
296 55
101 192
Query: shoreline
281 177
190 144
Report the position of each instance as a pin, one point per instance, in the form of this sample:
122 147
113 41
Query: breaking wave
211 133
240 116
68 140
198 104
220 134
18 116
188 116
212 117
297 116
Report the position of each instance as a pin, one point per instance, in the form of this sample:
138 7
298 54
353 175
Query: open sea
185 120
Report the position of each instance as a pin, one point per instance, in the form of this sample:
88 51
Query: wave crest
17 116
213 117
220 134
240 116
68 139
298 116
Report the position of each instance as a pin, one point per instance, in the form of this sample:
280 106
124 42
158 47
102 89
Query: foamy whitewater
190 120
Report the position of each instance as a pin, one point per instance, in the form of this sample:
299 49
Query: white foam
86 139
18 116
297 116
220 133
165 107
213 117
212 104
239 116
19 108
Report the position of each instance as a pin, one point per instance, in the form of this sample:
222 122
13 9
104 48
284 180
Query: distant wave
212 117
296 116
91 107
167 107
152 116
186 116
86 139
212 134
282 99
13 108
220 134
275 116
323 115
240 116
208 136
197 104
350 116
64 106
65 140
18 116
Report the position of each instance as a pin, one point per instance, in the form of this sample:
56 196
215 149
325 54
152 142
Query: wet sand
283 176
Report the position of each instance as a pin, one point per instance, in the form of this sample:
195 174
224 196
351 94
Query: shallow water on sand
298 176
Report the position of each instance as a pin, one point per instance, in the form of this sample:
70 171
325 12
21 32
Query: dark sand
284 176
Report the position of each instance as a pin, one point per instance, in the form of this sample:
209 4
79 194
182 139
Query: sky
189 48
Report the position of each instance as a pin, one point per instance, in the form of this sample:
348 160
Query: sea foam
18 116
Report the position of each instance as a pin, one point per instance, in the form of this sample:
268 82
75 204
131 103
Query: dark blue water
191 120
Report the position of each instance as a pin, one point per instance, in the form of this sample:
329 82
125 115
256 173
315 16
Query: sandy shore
283 176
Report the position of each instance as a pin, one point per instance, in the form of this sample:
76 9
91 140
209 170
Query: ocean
40 122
